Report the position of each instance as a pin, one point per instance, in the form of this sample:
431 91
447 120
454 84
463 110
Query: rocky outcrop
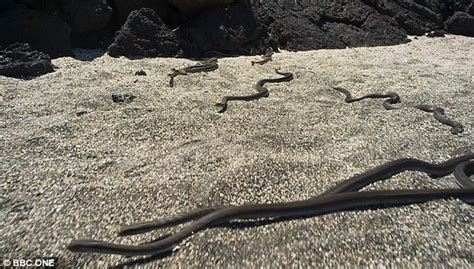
219 28
188 7
43 31
19 60
461 23
86 15
122 8
144 35
414 18
335 24
230 26
89 21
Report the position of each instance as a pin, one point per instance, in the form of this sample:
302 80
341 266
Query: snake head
223 107
212 60
457 130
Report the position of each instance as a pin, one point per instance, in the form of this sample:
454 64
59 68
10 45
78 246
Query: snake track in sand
261 91
342 197
394 98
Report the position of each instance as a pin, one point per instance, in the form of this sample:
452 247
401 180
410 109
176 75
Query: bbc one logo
37 262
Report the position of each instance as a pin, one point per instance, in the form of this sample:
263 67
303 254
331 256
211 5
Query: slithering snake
342 197
261 91
439 115
203 66
353 184
394 98
265 58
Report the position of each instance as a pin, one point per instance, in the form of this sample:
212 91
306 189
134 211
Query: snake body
203 66
344 196
463 172
261 91
353 184
439 115
265 58
394 98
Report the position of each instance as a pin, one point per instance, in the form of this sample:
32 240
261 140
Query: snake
394 98
344 196
207 65
439 115
265 58
353 184
261 91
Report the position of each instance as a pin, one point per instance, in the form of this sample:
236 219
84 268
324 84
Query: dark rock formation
294 28
461 23
335 24
189 7
89 21
436 33
229 26
144 35
43 31
86 15
122 8
416 19
140 73
219 28
19 59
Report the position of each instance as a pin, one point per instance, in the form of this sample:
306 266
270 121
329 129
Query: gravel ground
75 165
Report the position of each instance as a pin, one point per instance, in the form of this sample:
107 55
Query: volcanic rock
220 28
144 35
43 31
86 15
19 59
122 8
188 7
461 23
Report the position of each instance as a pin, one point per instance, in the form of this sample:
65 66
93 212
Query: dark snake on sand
265 58
342 197
204 66
261 91
439 115
394 98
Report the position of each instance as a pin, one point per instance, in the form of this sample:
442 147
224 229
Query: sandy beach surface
75 165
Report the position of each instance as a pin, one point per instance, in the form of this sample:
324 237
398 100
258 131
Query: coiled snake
394 98
343 196
203 66
261 91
